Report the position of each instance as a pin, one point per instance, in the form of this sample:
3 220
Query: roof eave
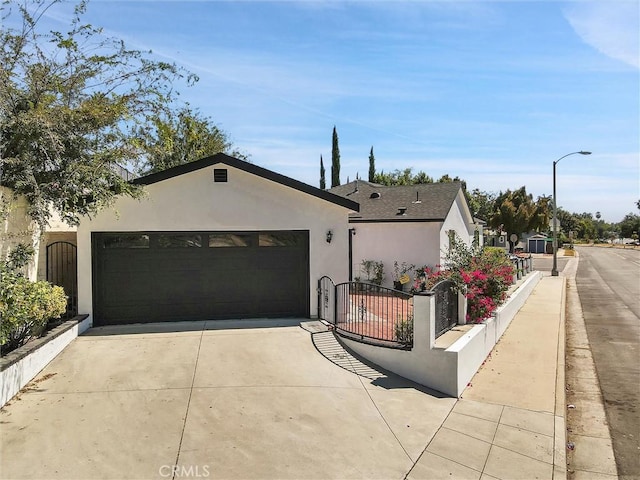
221 158
395 220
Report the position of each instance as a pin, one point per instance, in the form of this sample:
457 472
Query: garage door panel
164 280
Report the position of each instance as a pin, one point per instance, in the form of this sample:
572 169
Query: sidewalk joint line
486 460
186 413
377 409
429 443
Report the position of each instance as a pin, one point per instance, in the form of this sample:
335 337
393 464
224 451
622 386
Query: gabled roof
221 158
430 202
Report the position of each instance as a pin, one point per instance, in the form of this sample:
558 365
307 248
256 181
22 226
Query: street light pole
554 270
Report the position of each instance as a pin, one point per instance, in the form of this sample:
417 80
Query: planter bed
19 367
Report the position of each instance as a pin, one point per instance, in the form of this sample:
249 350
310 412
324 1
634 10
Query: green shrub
403 330
26 307
374 271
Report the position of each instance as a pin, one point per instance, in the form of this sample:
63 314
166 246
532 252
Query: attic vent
402 211
220 175
374 195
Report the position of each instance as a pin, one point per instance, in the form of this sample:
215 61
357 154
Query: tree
447 179
402 177
335 160
372 166
420 178
517 213
323 183
629 225
481 203
568 222
69 103
177 137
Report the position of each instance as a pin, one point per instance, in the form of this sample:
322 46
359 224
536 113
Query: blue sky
490 91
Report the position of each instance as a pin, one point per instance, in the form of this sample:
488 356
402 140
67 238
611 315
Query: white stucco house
409 223
215 238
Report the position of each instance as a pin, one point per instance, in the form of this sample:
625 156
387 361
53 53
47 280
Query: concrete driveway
212 400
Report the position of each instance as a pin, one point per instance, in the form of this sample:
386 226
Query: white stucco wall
417 243
16 227
192 202
458 219
412 242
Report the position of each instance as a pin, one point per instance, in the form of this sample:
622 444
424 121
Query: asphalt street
608 282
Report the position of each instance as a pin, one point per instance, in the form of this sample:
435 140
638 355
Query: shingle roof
221 158
428 202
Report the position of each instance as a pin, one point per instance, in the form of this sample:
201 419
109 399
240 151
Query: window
125 241
229 240
279 239
220 175
179 240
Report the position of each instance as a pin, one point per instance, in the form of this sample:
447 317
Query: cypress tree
372 166
323 183
335 160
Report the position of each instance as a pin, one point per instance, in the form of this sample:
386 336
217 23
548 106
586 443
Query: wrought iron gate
446 306
62 271
327 300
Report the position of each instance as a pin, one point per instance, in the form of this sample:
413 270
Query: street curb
560 424
589 452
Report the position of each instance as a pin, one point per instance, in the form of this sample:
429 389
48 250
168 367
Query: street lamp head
581 152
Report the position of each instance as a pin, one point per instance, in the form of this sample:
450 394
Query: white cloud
611 27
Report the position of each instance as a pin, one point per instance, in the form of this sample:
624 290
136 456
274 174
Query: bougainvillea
483 274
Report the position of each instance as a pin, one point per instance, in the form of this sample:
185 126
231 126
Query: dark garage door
171 276
536 245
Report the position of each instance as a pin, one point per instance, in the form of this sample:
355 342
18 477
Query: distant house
539 243
411 224
497 238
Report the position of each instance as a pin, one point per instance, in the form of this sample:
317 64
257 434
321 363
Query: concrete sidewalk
509 422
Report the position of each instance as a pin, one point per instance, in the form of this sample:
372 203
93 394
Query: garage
218 238
169 276
538 244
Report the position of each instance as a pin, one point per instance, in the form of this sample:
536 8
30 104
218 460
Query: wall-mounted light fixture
329 236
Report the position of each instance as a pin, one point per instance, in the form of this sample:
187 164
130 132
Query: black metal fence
446 297
382 316
374 314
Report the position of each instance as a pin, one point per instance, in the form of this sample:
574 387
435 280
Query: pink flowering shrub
483 274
